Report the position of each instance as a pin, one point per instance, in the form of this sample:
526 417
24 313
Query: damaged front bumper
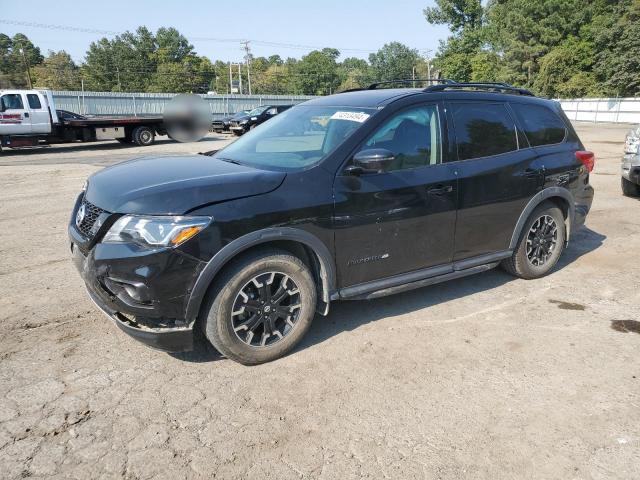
143 293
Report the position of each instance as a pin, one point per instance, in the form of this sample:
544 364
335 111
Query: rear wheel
143 136
540 245
260 307
629 188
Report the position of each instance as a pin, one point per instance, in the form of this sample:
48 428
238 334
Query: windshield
297 138
240 114
257 111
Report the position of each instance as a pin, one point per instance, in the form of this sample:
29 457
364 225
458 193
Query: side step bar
427 281
422 278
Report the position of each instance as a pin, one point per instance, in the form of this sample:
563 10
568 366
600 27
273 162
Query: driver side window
412 135
12 101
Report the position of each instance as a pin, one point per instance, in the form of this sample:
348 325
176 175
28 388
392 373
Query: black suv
255 117
351 196
222 125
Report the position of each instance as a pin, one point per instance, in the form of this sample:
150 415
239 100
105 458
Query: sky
355 27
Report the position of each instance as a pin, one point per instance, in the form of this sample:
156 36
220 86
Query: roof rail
485 86
374 86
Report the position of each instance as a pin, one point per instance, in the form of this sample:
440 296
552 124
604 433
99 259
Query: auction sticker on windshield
359 117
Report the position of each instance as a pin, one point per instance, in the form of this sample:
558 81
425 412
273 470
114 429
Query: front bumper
631 168
144 292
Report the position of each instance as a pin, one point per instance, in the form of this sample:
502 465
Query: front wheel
260 307
540 245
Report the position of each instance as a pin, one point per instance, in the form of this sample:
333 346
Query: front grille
91 214
235 124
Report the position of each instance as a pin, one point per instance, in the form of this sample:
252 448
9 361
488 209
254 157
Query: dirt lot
485 377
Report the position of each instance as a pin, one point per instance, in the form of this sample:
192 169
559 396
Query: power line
264 43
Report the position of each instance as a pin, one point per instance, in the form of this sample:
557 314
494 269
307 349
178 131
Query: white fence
113 103
613 110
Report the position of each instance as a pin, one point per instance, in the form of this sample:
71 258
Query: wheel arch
558 195
299 242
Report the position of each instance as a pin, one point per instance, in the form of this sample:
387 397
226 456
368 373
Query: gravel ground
484 377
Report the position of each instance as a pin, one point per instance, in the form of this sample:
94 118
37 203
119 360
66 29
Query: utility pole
230 78
26 67
427 57
247 59
240 76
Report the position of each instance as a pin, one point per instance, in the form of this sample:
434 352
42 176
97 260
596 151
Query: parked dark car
222 125
255 117
350 196
67 115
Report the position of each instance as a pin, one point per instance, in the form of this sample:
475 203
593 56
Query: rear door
39 114
402 219
14 118
498 174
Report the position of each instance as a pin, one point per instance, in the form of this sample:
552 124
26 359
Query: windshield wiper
228 160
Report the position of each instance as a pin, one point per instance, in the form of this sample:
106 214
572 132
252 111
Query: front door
14 117
402 219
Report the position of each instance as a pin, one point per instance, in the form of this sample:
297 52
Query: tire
143 136
234 319
524 263
252 126
629 189
238 133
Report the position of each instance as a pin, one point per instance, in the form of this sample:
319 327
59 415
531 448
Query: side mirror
2 106
374 160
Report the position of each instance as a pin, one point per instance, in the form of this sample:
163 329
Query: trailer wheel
143 136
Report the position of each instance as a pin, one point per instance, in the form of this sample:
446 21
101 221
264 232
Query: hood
175 185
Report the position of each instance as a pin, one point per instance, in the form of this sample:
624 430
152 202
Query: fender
537 199
229 251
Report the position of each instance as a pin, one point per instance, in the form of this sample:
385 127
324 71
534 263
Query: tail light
588 159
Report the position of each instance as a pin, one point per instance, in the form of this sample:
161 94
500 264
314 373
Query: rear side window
483 130
541 125
34 101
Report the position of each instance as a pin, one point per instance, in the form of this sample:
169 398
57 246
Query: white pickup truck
29 118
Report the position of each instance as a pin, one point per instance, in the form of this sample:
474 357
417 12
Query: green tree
566 71
460 54
58 71
16 55
618 44
317 73
353 73
394 61
459 15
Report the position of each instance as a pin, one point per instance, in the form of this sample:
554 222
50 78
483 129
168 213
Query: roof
379 97
364 98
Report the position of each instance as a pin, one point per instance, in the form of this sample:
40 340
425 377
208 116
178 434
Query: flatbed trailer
29 118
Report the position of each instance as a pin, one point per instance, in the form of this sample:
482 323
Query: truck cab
26 112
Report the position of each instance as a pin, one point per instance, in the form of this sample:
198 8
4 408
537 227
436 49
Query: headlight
244 122
155 231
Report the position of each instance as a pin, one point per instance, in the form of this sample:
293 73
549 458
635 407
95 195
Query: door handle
440 190
26 114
